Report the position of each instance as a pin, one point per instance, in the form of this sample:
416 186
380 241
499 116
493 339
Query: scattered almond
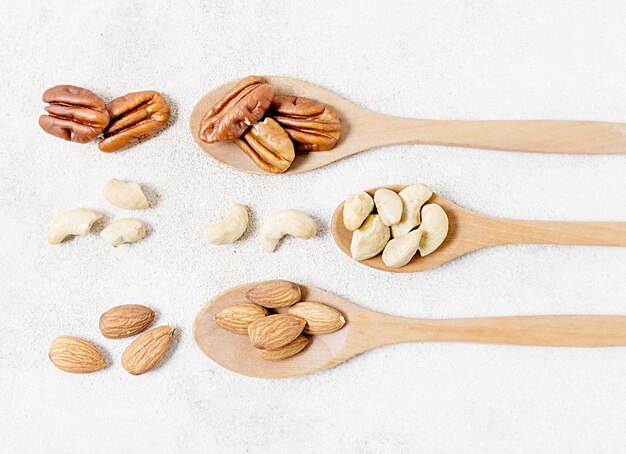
125 321
237 318
274 294
147 351
292 348
75 355
320 318
275 331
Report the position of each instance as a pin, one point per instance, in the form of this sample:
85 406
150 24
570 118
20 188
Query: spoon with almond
366 329
363 129
469 231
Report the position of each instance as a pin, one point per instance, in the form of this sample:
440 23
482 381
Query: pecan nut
74 113
245 104
135 117
312 125
268 145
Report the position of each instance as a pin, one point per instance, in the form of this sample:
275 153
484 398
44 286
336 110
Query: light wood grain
364 129
469 232
366 330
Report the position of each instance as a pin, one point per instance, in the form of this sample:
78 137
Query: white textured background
466 60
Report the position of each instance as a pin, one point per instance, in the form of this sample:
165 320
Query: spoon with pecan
363 129
366 329
469 231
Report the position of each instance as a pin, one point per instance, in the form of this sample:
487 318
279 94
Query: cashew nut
388 205
124 231
369 239
125 195
434 228
413 197
74 222
230 228
400 251
286 222
355 209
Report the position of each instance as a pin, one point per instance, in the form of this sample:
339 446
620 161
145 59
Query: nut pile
269 128
402 224
75 355
79 115
80 220
280 335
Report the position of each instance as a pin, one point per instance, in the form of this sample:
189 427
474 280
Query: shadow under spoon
469 231
363 129
366 329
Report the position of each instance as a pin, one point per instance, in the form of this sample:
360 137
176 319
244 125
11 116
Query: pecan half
135 117
75 114
245 104
268 145
312 125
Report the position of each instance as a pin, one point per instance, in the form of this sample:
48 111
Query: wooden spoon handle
510 231
549 330
541 136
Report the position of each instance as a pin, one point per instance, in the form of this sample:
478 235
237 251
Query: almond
125 321
292 348
75 355
274 294
147 351
237 318
275 331
320 318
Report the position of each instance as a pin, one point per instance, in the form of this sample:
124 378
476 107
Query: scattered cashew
434 228
125 195
400 251
369 239
122 231
355 209
286 222
388 205
73 222
413 197
230 228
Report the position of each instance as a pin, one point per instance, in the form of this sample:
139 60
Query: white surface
483 60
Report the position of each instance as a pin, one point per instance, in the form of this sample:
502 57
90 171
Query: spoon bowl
363 129
469 231
235 352
353 118
366 329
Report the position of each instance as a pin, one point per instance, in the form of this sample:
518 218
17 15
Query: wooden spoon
364 129
469 232
366 330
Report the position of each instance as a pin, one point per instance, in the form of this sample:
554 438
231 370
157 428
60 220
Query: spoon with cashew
363 129
366 329
469 231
